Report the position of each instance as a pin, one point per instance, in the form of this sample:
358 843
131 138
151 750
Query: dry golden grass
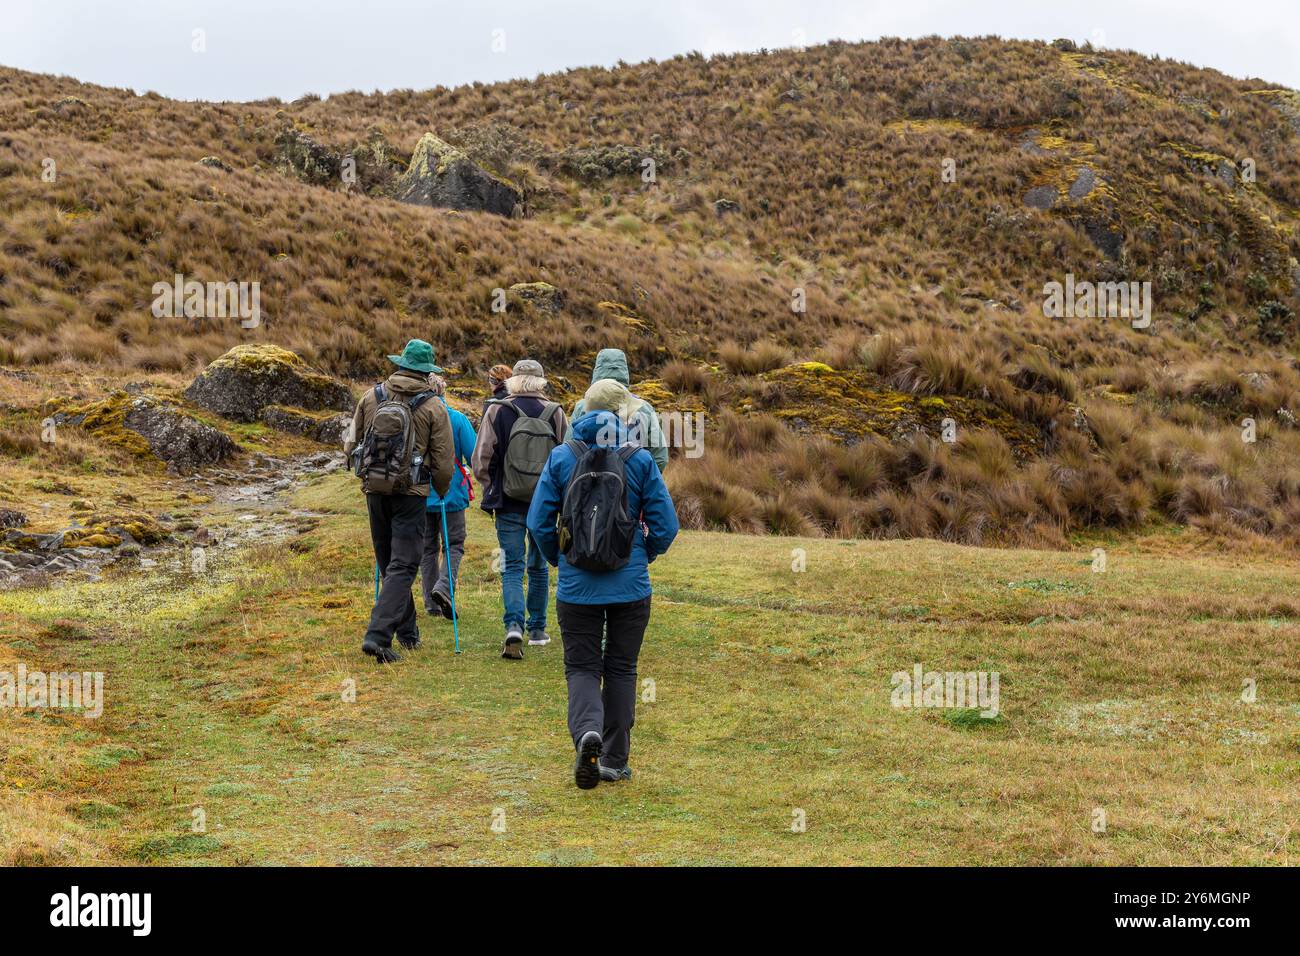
832 159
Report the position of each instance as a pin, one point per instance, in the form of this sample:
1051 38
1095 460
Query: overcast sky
260 48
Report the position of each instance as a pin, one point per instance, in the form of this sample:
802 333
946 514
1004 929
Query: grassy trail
226 695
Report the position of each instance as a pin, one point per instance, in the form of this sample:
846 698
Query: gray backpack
529 444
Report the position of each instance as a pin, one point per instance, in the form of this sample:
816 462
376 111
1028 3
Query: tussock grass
826 163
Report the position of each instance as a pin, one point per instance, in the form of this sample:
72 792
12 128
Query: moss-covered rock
441 175
848 405
540 295
104 419
87 538
242 382
141 527
144 427
324 427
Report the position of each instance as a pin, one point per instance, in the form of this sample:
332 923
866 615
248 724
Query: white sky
260 48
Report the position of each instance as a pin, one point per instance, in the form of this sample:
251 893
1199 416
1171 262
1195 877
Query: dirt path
230 509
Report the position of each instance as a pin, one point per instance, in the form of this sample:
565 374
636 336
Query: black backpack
595 528
384 459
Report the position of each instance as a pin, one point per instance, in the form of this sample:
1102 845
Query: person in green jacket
612 363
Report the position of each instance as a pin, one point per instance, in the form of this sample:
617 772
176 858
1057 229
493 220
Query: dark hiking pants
397 533
609 710
434 573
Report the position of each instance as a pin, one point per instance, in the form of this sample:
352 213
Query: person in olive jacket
397 519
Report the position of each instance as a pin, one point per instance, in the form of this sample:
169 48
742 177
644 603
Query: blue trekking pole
376 582
451 578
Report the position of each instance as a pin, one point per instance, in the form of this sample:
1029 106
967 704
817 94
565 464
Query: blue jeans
512 534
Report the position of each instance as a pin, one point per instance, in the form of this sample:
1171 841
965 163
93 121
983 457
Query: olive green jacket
432 427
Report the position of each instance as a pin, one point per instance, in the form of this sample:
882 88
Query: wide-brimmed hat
416 357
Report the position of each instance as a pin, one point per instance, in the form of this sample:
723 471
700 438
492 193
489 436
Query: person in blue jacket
614 605
434 578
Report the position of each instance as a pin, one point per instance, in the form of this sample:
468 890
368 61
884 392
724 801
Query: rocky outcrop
540 295
327 429
300 156
248 378
143 426
441 175
178 439
12 519
1042 197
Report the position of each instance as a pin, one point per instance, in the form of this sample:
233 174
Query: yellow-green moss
929 126
87 538
265 359
259 358
105 420
628 316
659 395
140 526
847 405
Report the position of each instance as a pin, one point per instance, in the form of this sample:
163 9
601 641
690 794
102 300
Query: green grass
771 694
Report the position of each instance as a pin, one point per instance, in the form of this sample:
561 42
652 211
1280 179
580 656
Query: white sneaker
538 637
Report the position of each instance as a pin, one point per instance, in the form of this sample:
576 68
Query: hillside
817 171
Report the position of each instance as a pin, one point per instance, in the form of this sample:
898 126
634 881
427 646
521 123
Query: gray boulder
248 378
1042 197
326 429
183 442
300 156
441 175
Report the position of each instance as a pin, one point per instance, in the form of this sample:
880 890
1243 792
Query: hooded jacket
612 363
432 429
463 438
647 501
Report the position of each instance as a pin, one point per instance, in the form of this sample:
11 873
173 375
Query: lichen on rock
443 176
241 383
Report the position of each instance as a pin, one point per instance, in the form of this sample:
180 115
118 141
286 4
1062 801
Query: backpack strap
577 446
420 399
379 394
548 412
627 451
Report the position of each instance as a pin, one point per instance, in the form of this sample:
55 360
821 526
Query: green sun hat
417 357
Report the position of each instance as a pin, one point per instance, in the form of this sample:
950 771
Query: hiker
515 438
608 531
437 580
401 447
612 364
497 376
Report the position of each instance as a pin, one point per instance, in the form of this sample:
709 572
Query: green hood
611 363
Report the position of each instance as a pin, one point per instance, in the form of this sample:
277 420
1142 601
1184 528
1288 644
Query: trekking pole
451 579
376 582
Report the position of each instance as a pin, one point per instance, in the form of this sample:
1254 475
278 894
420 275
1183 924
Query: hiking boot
615 774
586 770
513 648
382 655
441 605
538 636
410 643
